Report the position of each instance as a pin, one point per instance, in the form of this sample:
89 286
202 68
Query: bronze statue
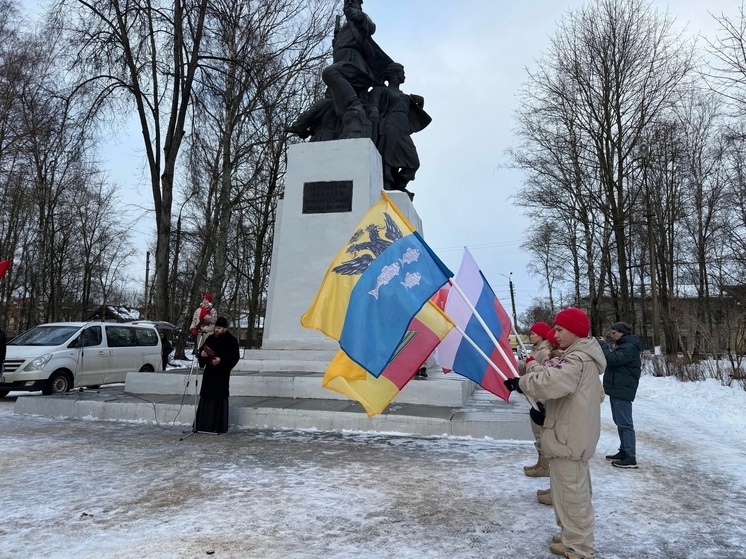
363 100
320 122
396 116
349 75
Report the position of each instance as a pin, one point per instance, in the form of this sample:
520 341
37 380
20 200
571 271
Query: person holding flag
540 352
570 385
544 496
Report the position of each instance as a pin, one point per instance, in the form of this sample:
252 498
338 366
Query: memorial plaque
327 197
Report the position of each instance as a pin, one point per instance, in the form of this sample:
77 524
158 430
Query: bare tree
143 54
613 68
104 244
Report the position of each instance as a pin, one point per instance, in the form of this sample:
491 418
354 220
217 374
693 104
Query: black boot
618 456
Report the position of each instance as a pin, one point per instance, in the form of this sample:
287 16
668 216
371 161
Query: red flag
4 265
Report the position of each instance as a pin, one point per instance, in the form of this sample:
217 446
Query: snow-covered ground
122 490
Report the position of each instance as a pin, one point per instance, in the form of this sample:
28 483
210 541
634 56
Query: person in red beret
544 496
203 322
540 352
570 386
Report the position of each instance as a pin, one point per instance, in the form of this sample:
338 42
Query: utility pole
147 273
644 154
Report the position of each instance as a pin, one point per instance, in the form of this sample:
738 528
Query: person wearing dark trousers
166 349
218 355
621 379
3 342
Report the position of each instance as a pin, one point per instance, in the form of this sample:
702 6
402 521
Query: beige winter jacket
541 351
570 386
208 324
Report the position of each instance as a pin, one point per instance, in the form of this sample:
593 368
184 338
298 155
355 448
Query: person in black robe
219 354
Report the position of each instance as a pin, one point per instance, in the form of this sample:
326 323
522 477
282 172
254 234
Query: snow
129 490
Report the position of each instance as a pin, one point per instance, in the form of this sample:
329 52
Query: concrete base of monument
281 378
438 405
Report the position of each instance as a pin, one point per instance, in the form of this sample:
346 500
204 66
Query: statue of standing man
356 57
396 116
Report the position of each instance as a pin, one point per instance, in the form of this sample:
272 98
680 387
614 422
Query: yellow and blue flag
424 333
375 286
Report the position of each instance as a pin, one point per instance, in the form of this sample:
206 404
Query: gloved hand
194 332
538 416
512 384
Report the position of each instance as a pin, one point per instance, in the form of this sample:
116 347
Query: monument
364 100
360 142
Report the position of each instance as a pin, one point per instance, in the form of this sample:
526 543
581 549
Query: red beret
540 329
207 296
574 320
551 336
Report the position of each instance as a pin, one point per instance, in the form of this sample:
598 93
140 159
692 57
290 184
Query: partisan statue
364 100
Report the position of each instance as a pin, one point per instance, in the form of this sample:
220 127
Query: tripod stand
196 396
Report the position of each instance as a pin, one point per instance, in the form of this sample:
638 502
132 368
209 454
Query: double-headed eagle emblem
364 252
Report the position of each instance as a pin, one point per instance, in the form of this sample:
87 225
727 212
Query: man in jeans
622 376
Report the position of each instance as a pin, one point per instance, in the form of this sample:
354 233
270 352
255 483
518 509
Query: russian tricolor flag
456 353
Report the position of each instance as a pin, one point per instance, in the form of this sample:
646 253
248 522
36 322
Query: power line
479 247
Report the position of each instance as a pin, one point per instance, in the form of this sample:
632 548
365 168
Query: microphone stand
196 390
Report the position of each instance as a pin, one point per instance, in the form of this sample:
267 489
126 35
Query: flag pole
479 350
520 341
492 338
484 325
492 364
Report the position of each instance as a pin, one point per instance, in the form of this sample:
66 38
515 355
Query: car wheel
147 369
4 393
58 383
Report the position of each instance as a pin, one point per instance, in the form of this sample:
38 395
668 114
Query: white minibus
58 356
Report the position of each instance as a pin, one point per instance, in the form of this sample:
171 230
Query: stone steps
483 416
437 390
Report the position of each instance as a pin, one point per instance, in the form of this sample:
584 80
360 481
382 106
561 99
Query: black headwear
222 322
622 327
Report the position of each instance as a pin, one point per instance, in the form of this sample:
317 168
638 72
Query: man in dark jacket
622 376
219 354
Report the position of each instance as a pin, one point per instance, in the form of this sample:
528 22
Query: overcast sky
468 60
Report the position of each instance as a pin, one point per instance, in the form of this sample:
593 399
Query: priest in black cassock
218 355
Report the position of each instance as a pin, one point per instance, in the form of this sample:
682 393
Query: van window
91 336
120 336
45 335
146 336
